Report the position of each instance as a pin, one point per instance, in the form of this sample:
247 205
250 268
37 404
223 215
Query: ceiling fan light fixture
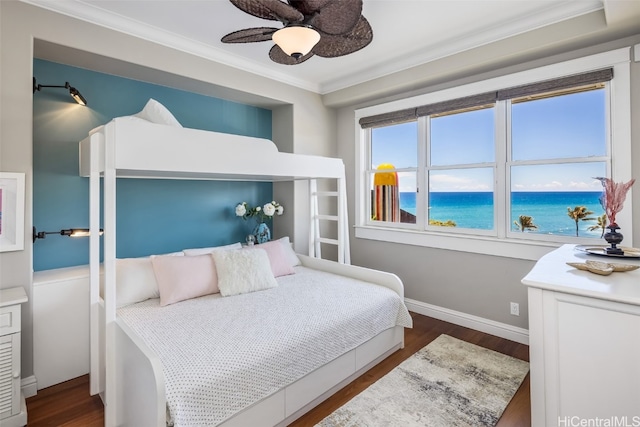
296 40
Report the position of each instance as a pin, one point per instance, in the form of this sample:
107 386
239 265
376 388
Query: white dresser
13 411
584 338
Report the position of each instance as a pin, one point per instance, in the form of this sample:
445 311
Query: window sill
519 249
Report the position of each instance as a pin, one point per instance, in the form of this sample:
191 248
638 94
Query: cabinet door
60 330
9 375
592 348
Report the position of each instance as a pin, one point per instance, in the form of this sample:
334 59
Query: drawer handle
16 374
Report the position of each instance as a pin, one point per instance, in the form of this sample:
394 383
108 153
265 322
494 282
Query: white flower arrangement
259 212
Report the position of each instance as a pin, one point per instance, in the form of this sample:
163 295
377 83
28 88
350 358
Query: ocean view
548 209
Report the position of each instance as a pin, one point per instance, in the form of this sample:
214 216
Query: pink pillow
184 277
280 265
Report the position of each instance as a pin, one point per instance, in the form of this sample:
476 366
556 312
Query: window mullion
366 186
503 170
422 198
463 166
594 159
611 159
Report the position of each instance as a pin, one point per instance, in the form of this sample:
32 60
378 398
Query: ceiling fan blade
250 35
308 7
337 17
274 10
331 46
277 55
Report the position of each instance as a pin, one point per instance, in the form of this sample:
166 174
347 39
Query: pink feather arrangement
613 196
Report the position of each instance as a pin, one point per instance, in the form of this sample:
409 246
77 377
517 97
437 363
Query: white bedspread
220 355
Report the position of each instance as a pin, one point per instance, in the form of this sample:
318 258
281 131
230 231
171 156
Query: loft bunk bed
125 369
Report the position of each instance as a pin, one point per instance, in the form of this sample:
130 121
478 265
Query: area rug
447 383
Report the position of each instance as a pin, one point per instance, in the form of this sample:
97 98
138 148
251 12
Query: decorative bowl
602 268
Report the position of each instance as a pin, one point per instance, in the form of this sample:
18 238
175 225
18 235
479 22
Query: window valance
395 117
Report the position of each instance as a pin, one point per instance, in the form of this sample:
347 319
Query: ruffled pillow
155 112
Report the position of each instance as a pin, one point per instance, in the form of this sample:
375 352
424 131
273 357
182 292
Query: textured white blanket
221 355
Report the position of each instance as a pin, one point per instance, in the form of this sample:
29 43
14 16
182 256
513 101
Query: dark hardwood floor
69 404
66 404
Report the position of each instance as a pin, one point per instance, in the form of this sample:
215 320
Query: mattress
222 354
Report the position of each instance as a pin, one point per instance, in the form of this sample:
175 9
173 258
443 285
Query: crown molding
561 12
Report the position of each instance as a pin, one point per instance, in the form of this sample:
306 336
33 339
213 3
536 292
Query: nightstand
13 410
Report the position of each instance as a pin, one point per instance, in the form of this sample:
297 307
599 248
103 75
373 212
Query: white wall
311 125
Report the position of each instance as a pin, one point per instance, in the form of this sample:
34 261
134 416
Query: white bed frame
126 373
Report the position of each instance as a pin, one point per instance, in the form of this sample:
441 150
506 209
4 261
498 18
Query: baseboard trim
29 386
481 324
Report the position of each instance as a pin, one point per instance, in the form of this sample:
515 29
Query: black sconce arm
71 232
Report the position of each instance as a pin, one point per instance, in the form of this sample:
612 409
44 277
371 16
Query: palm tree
602 224
525 222
579 213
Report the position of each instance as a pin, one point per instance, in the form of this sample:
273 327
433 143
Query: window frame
504 242
368 172
425 141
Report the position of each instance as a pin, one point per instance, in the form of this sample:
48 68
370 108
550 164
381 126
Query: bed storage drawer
371 350
267 412
317 382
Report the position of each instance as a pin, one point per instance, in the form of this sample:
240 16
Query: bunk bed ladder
315 240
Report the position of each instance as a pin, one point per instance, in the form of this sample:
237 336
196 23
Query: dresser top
12 296
551 272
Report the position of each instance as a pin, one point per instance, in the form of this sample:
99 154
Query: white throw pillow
135 281
241 271
289 252
203 251
155 112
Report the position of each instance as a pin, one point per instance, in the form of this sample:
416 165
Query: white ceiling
405 32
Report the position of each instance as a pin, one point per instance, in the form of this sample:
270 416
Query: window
558 145
394 148
461 169
497 171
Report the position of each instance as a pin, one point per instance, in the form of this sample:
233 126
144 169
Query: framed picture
11 211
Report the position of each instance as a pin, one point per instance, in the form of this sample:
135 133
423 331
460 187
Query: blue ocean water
548 209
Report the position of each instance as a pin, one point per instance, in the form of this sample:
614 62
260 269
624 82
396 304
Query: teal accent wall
153 216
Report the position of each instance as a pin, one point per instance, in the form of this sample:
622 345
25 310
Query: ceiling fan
327 28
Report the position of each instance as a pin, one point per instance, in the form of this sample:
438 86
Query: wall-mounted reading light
71 232
72 91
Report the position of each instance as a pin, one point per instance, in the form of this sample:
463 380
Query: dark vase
613 238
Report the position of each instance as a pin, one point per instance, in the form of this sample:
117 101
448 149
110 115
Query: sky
558 127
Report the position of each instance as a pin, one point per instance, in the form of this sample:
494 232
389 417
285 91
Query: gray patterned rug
447 383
